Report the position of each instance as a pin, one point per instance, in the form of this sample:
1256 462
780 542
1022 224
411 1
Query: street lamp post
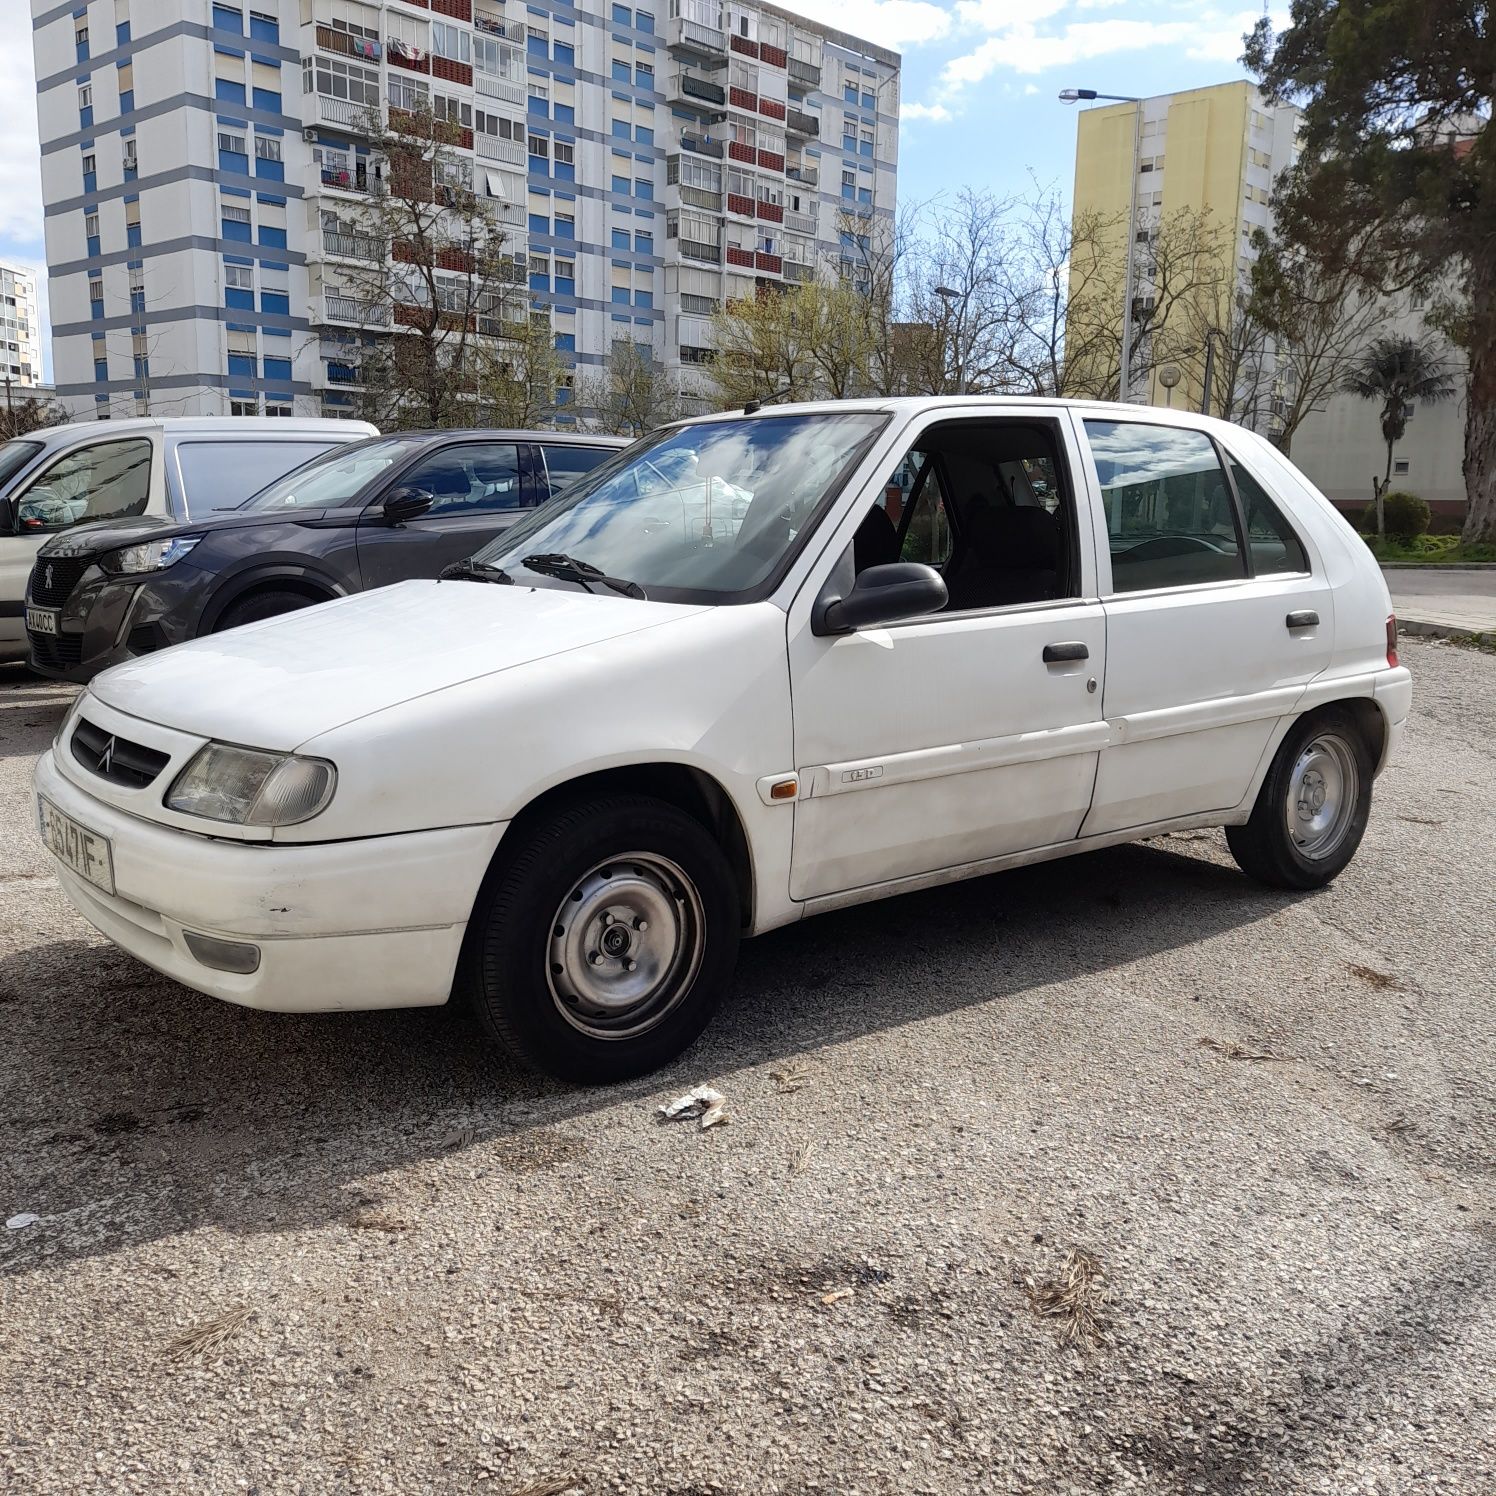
948 294
1076 96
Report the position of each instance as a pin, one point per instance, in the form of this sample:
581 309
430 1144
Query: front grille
56 651
114 758
53 579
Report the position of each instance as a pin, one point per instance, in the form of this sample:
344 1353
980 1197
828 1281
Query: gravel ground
1269 1120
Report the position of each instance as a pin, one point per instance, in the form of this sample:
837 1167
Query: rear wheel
269 604
604 939
1312 810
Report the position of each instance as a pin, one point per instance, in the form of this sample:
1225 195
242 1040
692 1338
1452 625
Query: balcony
344 374
740 203
795 270
776 57
356 180
771 160
800 223
807 74
807 176
494 87
349 311
351 246
692 36
688 85
700 146
331 40
694 332
770 212
491 148
741 257
493 25
700 249
452 72
403 55
459 10
771 109
346 114
798 122
740 152
743 98
743 45
763 260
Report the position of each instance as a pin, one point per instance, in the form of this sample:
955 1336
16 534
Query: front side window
222 475
336 478
109 480
710 512
1169 517
916 490
478 478
1272 541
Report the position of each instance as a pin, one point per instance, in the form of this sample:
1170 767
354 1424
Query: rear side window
109 480
1274 545
221 475
1170 521
564 465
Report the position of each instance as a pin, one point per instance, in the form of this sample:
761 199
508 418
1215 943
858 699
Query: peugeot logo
106 758
47 578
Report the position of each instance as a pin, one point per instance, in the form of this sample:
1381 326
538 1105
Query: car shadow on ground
134 1109
34 710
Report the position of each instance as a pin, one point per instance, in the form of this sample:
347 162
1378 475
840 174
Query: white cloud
20 149
1023 47
890 23
936 114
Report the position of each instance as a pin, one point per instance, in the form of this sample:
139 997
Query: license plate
41 620
86 852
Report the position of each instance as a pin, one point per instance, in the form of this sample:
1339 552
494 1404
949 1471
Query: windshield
706 512
334 479
14 456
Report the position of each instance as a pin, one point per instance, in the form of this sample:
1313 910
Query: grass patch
1431 550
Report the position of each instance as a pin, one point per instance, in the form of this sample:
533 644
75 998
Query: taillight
1392 639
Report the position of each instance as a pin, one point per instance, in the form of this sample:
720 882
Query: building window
91 224
264 28
452 42
85 96
1400 467
565 153
267 148
338 80
228 18
244 407
566 226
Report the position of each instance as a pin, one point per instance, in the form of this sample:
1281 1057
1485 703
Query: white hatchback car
847 650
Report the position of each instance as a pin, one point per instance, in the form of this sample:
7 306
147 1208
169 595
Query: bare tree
518 376
762 350
431 275
632 393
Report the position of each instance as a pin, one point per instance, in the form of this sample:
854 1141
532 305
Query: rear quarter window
218 475
1272 540
564 465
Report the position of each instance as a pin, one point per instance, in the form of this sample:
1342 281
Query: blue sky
979 85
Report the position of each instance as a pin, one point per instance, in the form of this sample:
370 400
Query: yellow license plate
86 852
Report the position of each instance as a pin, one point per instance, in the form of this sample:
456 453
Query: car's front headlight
149 555
249 788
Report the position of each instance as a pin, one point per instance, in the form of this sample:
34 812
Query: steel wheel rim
1322 792
625 945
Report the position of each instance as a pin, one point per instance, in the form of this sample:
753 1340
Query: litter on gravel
20 1222
699 1101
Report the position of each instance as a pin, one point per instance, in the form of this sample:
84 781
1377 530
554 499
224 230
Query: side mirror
405 504
881 594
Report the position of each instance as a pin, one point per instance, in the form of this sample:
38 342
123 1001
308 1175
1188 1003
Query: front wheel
603 939
260 605
1312 809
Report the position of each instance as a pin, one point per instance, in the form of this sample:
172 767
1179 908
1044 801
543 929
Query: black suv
359 516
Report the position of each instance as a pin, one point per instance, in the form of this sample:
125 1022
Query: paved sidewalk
1443 600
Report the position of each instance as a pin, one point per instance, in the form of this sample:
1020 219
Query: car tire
259 605
1312 809
603 939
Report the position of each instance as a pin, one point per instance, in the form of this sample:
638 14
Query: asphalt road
1459 599
1271 1119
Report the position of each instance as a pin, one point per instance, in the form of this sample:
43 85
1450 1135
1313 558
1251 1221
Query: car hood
279 683
109 534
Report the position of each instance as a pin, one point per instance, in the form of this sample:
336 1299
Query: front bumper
106 620
340 926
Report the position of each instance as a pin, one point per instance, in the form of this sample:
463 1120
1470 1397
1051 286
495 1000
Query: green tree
1396 371
1397 138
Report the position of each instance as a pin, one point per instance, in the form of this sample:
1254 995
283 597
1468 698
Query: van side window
1274 545
222 474
109 480
1170 521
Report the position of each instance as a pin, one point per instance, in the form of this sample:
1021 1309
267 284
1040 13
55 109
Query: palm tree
1396 371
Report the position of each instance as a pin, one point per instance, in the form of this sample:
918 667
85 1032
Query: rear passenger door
1216 620
476 490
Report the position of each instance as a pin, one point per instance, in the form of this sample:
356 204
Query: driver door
944 741
477 490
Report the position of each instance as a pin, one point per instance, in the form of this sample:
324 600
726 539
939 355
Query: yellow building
1214 150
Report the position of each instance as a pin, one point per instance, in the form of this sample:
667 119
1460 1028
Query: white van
179 468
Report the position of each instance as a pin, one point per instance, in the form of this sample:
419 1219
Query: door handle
1057 654
1305 618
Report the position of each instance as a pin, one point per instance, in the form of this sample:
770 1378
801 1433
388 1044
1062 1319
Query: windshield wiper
583 573
468 570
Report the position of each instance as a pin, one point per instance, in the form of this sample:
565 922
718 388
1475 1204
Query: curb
1427 628
1437 565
